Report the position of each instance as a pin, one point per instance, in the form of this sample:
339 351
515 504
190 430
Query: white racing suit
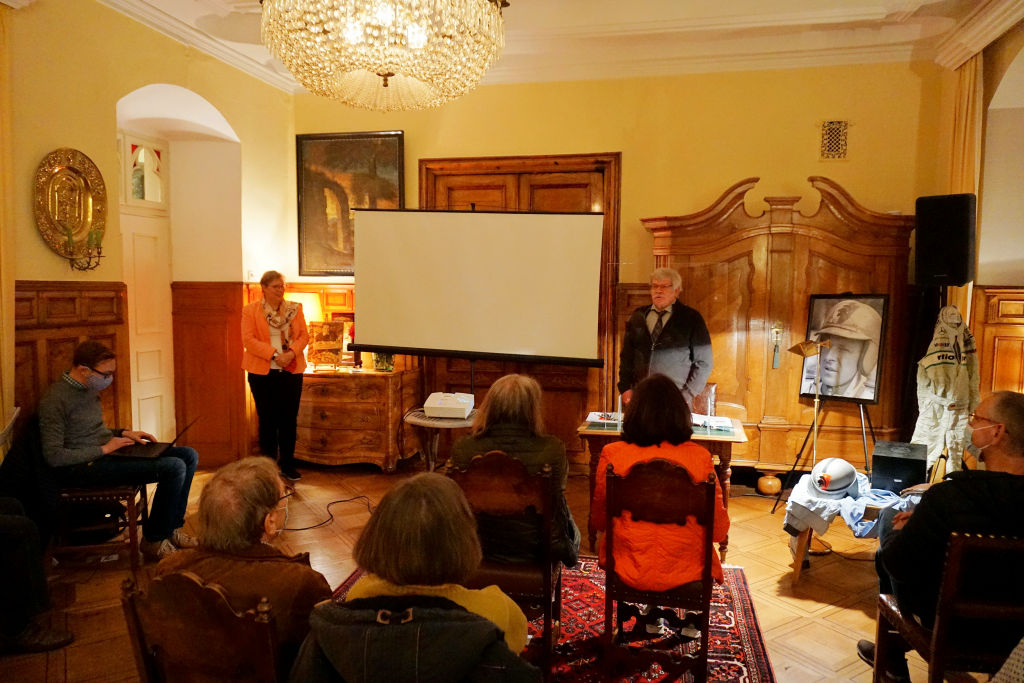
947 388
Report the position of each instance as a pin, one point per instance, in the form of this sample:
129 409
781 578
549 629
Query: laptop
152 449
896 465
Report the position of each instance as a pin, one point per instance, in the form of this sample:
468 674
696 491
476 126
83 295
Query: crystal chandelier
385 55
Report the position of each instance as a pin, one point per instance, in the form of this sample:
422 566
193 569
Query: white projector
448 405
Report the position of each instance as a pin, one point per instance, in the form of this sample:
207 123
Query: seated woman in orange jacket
652 556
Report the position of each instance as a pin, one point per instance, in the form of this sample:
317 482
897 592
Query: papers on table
712 423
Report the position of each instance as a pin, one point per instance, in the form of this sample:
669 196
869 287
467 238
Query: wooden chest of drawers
356 416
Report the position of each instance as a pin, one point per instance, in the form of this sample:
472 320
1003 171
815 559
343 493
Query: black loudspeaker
896 466
945 239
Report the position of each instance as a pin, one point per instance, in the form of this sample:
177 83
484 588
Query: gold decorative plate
70 203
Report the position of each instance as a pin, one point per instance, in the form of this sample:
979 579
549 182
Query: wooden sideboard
356 416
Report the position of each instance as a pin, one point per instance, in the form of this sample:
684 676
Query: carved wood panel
208 379
747 274
50 319
998 327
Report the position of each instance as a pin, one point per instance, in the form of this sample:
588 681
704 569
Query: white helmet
832 477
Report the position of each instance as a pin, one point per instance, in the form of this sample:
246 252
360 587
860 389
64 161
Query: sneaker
156 550
290 473
895 672
36 638
180 539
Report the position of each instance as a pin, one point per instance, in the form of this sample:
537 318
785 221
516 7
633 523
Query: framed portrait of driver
850 329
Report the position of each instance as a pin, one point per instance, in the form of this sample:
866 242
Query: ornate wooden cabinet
357 417
748 274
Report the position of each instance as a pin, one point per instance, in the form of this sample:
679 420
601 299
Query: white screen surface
478 283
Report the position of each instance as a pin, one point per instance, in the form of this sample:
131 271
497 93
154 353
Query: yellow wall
71 61
684 139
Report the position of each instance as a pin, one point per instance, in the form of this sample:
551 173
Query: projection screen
478 285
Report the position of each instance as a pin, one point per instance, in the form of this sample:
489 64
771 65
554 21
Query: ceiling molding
188 35
17 4
520 72
988 21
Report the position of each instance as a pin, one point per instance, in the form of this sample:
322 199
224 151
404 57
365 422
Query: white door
147 273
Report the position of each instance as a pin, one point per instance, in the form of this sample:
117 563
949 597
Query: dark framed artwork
850 329
338 172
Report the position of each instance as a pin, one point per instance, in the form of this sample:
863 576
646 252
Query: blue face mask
99 382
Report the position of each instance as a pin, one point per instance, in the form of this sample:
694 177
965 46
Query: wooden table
718 443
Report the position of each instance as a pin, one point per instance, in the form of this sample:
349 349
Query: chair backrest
704 402
185 630
496 483
980 614
661 492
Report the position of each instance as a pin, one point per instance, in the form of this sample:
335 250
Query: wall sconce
70 206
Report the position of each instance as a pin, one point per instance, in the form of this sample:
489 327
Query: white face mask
969 438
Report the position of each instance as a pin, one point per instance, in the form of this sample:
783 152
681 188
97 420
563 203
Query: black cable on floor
330 515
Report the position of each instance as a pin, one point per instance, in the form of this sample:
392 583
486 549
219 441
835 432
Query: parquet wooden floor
811 629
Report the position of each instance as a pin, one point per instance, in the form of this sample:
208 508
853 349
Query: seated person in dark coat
913 544
408 617
510 420
23 593
242 509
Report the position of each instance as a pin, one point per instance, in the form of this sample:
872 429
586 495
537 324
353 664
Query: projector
448 405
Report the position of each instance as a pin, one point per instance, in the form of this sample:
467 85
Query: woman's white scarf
282 319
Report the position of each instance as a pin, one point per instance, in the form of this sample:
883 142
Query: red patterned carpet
736 649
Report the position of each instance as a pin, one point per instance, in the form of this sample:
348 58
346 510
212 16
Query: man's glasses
973 417
104 375
285 498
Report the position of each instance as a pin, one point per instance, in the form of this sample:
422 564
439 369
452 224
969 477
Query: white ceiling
559 40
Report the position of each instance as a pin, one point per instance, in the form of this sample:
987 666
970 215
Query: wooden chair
979 617
132 498
499 485
659 492
184 630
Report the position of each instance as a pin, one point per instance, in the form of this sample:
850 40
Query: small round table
429 429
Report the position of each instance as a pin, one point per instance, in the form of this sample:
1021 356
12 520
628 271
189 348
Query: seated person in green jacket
510 420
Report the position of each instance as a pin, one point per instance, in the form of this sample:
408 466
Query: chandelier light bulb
383 55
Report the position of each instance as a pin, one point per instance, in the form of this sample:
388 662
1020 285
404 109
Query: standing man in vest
667 338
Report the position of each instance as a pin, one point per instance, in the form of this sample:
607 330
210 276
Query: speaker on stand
944 240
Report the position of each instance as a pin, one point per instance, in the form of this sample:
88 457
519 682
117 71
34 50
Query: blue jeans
172 473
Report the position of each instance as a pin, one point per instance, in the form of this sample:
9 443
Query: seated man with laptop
83 451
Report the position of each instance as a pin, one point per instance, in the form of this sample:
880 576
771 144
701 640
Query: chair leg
803 541
882 647
133 534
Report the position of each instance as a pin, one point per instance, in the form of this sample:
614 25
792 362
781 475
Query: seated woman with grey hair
242 509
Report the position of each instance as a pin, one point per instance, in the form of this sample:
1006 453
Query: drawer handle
323 441
323 415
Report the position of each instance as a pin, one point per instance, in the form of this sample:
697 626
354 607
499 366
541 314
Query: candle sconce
70 206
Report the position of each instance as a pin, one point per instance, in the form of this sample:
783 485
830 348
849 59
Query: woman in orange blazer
274 336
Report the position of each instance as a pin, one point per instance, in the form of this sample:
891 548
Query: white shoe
180 539
156 550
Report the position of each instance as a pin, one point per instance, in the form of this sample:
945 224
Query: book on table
608 421
712 423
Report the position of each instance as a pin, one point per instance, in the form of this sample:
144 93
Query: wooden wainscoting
50 319
998 328
208 377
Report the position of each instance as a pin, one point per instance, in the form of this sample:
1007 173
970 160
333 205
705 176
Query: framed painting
338 172
847 331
